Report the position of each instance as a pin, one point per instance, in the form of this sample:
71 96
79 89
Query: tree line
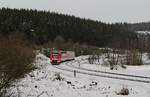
42 27
144 26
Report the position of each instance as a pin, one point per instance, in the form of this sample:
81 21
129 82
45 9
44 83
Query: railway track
103 74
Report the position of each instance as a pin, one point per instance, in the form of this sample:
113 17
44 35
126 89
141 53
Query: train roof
56 51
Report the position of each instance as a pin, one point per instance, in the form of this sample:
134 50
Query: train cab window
54 53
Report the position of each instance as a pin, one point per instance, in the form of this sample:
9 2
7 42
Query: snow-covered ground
49 81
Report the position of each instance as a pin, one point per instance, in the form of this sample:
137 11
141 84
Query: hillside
41 27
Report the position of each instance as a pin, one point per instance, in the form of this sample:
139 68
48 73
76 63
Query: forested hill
144 26
42 26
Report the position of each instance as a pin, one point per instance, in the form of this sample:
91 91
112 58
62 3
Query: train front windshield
55 55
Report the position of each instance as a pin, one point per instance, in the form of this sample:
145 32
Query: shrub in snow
58 77
123 91
148 54
123 66
69 82
133 57
93 83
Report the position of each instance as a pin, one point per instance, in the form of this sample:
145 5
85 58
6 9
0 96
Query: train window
63 52
54 52
54 55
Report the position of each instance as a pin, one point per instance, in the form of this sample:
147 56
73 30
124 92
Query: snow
143 32
48 81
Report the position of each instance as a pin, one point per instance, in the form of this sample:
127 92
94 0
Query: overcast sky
102 10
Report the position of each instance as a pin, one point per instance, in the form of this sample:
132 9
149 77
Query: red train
57 57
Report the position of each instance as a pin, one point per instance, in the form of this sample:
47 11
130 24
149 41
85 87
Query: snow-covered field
49 81
143 70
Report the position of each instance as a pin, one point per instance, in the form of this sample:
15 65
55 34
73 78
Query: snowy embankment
48 81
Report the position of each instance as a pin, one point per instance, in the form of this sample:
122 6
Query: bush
148 54
134 58
16 58
123 91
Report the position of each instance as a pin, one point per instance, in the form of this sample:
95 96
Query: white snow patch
143 32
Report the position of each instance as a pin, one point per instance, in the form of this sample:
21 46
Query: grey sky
102 10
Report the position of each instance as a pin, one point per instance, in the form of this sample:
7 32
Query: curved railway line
103 74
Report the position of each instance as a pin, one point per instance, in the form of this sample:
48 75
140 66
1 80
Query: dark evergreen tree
41 27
